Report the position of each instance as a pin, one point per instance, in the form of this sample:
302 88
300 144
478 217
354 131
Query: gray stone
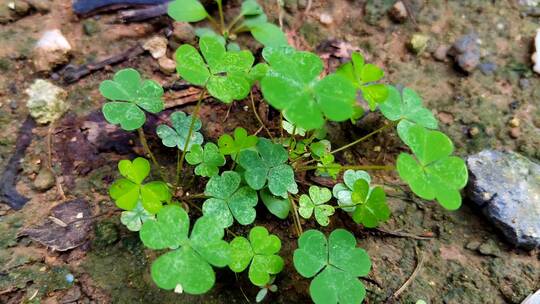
506 186
466 52
44 180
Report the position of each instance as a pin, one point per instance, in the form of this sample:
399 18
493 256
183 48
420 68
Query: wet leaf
228 200
335 265
130 95
260 252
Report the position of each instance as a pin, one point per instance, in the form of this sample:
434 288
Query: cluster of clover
291 82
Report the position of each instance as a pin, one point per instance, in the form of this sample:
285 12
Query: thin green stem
296 217
258 117
213 21
180 163
221 18
361 139
146 148
292 142
359 167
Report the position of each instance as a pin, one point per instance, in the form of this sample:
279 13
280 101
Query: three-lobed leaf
432 173
129 190
177 135
224 73
130 95
335 264
135 218
407 105
268 165
241 141
315 203
187 268
292 86
228 200
364 77
207 159
260 253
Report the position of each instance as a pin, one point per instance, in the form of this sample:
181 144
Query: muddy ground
464 259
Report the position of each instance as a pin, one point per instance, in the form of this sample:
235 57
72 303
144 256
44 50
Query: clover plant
277 165
259 252
334 264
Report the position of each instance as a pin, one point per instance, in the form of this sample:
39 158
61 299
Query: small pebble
515 133
418 43
472 245
398 12
441 52
167 65
183 32
21 7
487 68
157 46
524 83
44 180
474 131
514 122
326 19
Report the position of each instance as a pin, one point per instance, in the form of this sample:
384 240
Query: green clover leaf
241 141
260 252
328 166
251 8
134 219
188 268
371 206
315 203
229 200
343 191
335 263
292 85
129 93
407 105
186 10
431 173
177 136
363 76
224 74
127 191
268 164
207 160
278 206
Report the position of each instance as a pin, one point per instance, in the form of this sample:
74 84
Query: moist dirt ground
459 256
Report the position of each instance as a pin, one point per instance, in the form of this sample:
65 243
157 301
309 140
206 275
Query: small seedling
131 95
135 218
241 141
261 295
315 203
127 191
207 159
177 136
334 264
188 266
228 200
407 106
260 253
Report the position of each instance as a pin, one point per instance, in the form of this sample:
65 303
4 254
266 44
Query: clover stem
233 23
296 217
221 18
361 139
180 161
258 117
146 148
354 167
292 142
281 123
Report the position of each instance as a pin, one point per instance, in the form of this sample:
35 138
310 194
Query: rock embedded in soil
167 65
44 180
398 12
466 52
157 46
51 50
506 186
536 55
46 101
183 32
418 43
441 52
